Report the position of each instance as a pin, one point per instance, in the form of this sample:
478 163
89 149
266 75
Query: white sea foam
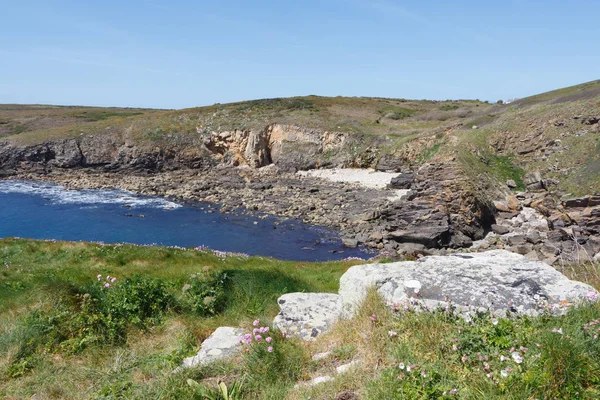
60 195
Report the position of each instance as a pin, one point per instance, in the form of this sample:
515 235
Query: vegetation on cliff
554 133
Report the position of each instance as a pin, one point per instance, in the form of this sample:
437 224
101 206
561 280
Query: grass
43 284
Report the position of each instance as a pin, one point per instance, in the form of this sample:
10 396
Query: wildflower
490 375
392 333
494 321
268 340
465 358
424 374
559 331
113 279
256 322
502 358
454 392
480 356
265 329
373 317
592 296
408 368
99 277
107 285
255 331
258 338
401 365
270 349
486 366
504 373
454 347
517 357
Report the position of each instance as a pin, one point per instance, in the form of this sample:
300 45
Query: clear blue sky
175 54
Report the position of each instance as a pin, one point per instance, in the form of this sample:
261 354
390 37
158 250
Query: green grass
45 312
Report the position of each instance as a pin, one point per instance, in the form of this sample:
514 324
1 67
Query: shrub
272 357
205 296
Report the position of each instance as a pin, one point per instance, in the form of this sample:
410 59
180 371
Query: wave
60 195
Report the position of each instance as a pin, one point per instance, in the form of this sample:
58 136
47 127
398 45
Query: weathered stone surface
349 242
307 314
403 181
500 229
576 202
496 280
221 344
533 181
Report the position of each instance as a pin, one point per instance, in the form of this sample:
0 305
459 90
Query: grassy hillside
493 142
64 335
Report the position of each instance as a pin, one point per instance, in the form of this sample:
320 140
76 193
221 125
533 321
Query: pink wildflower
465 358
270 349
107 285
99 277
268 340
392 333
113 279
256 322
258 338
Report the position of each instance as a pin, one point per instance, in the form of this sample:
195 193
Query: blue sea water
40 210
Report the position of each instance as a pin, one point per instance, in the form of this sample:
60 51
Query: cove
39 210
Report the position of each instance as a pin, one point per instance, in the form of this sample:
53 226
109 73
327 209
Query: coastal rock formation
498 281
223 343
307 314
289 147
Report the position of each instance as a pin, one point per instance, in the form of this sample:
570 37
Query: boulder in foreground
498 281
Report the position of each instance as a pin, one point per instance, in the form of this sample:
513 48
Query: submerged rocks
497 280
307 314
223 343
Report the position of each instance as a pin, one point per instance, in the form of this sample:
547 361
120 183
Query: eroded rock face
497 280
307 315
288 146
221 344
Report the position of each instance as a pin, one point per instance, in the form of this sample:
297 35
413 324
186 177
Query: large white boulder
496 280
307 314
223 343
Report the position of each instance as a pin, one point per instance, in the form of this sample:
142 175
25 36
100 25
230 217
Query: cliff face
289 147
286 146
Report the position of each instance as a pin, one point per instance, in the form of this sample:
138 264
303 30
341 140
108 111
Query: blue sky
175 54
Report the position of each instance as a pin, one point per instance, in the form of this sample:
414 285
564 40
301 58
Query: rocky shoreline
265 171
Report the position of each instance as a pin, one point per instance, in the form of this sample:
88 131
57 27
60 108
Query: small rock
345 367
501 206
321 356
346 395
500 229
513 203
349 242
515 240
314 382
221 344
511 183
533 237
576 202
